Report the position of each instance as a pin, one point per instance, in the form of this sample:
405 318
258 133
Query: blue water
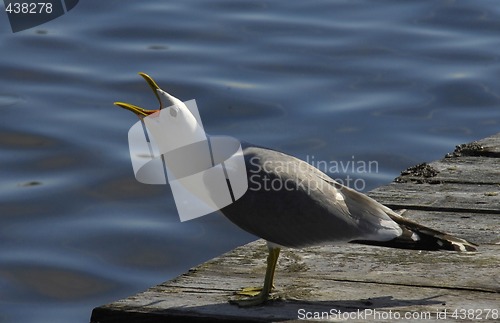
392 82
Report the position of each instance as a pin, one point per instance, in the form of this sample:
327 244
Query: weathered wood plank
360 306
342 278
445 197
356 263
349 297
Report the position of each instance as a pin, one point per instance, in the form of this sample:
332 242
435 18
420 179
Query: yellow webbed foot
260 295
255 300
250 291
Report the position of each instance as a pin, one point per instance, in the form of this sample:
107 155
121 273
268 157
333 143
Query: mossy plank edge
491 143
461 170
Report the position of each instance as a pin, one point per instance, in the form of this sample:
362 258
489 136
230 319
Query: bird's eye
173 111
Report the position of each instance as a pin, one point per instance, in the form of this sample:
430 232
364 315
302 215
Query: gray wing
293 204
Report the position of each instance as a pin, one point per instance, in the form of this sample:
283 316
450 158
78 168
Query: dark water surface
392 82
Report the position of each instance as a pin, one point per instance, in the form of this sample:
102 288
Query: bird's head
173 124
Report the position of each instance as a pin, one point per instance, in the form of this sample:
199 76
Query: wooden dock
459 194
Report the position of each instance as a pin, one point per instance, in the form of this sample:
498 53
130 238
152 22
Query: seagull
290 203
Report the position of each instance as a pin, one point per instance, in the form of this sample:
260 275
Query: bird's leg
263 295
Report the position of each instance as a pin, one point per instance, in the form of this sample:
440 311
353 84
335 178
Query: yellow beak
138 110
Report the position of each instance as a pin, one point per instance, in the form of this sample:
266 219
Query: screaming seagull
308 208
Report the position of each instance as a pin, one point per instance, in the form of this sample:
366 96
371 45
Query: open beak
137 110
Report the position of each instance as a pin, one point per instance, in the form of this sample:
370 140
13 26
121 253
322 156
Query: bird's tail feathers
419 237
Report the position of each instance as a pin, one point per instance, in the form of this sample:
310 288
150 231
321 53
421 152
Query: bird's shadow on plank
383 302
287 309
